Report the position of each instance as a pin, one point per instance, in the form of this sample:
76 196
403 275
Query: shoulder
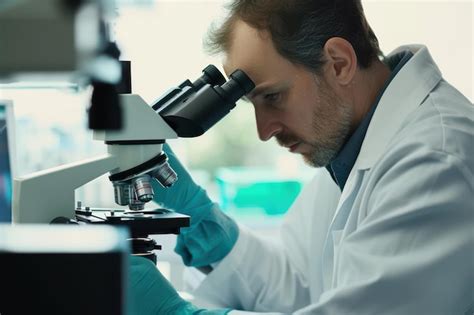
443 123
435 141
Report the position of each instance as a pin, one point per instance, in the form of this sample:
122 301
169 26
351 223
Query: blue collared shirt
342 164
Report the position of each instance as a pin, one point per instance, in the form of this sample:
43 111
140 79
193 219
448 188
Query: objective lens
136 205
143 188
165 175
122 193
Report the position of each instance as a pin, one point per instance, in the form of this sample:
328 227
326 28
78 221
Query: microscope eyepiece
193 111
238 85
243 79
210 75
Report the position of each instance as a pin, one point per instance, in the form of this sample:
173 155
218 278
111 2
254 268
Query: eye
272 97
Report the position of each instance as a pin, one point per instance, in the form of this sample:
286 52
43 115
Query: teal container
242 189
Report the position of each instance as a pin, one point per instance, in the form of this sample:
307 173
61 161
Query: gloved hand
211 234
151 294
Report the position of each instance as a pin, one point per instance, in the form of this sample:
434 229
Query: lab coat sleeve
413 245
413 251
263 275
235 284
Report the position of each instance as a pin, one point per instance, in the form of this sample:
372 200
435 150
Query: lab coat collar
403 95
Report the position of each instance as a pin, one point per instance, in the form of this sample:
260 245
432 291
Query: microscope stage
140 223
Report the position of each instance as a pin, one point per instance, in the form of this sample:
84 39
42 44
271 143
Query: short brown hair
300 28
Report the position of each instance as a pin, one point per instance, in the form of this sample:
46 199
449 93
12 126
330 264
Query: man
388 228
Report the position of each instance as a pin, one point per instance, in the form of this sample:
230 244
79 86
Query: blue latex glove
212 234
151 294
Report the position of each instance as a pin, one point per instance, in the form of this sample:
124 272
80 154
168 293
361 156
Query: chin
318 160
309 161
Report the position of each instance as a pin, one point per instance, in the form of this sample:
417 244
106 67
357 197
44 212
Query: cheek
307 95
303 107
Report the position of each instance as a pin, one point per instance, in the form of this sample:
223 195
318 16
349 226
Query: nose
267 125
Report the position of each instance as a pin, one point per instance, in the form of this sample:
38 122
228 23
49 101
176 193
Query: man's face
303 112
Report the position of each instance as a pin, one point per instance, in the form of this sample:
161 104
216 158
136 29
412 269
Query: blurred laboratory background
255 182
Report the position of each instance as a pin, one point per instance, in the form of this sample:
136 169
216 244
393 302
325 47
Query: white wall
446 27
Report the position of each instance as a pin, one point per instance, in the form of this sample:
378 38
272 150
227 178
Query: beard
330 129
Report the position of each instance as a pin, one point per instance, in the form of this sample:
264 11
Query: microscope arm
45 195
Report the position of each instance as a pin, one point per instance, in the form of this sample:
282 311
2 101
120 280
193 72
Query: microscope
86 252
134 158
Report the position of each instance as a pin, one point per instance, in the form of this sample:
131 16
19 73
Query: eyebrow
260 90
257 91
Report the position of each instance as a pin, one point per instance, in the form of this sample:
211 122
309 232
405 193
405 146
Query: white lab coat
400 237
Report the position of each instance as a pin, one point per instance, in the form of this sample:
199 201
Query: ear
341 60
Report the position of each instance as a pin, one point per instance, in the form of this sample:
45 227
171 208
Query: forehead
253 52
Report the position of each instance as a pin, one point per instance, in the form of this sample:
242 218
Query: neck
367 86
